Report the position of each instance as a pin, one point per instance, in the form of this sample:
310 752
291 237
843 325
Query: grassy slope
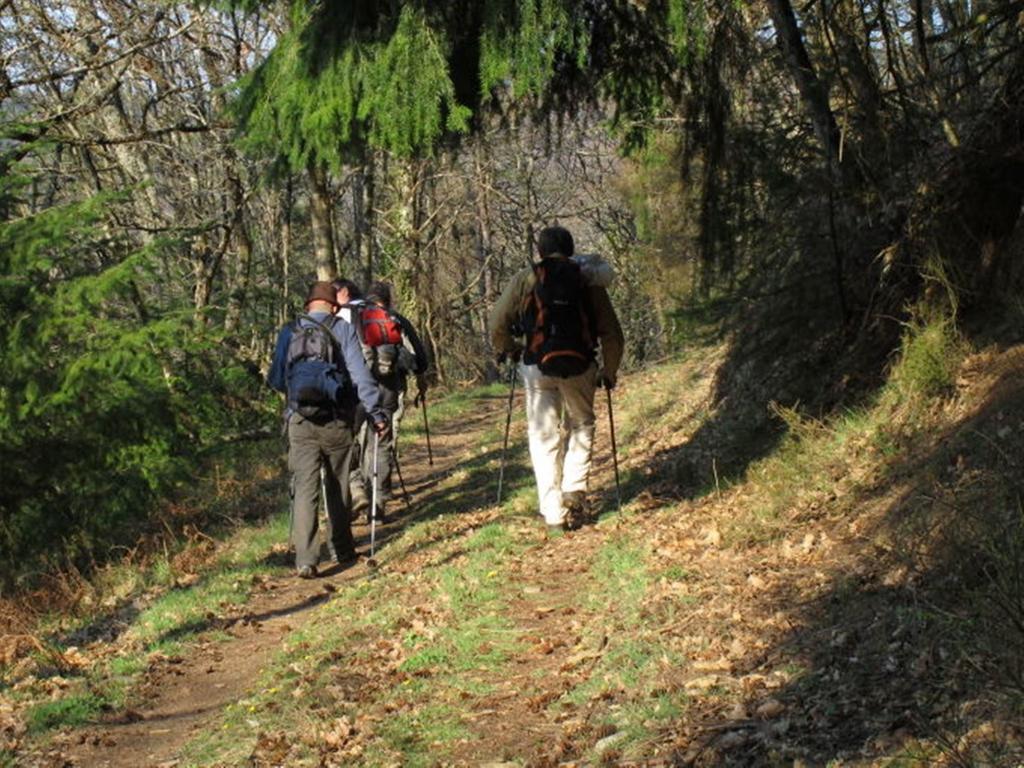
853 598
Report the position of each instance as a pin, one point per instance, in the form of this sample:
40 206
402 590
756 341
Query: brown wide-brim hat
322 291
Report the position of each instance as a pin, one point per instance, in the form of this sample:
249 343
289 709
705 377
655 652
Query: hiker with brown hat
318 365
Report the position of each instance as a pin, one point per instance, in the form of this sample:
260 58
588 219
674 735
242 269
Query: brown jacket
506 313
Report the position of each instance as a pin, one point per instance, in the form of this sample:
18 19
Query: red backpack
381 337
378 326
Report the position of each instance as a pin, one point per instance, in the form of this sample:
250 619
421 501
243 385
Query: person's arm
505 314
609 332
410 336
276 376
363 382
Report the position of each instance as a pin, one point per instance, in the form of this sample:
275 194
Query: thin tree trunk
286 249
483 252
243 261
362 219
323 224
812 91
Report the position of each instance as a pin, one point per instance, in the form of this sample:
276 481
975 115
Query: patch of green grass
639 720
416 734
631 664
182 613
445 660
449 407
930 354
676 573
70 711
620 569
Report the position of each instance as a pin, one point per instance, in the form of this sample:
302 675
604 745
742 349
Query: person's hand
421 389
511 354
382 428
606 379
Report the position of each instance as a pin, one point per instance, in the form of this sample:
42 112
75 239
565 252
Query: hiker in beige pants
561 465
560 408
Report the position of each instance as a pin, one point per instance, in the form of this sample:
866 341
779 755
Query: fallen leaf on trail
770 708
270 750
339 734
751 683
738 711
712 537
544 647
703 683
732 739
713 665
75 658
186 580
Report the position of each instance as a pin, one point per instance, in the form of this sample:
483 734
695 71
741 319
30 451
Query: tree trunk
362 220
483 254
322 222
286 250
812 92
243 258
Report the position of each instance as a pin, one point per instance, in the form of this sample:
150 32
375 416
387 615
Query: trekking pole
615 452
426 428
401 482
373 504
508 424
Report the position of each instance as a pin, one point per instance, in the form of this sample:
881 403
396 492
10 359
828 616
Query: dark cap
322 291
380 293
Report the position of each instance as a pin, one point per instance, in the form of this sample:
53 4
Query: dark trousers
310 446
390 388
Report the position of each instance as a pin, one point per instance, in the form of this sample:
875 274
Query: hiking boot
307 572
577 513
341 555
360 501
555 531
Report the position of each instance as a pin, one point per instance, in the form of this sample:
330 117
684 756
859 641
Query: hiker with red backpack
553 318
318 364
393 350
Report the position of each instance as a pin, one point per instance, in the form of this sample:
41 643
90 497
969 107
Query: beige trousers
560 424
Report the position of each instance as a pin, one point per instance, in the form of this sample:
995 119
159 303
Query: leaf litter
726 635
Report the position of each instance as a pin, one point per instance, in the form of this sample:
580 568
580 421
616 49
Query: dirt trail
184 694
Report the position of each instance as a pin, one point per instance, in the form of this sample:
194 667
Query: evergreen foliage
405 76
320 104
106 395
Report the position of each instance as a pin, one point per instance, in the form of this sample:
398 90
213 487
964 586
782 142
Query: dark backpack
381 335
314 374
558 320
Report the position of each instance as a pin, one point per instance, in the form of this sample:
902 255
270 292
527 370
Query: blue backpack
315 376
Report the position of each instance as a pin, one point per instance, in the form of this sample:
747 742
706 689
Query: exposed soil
182 695
812 643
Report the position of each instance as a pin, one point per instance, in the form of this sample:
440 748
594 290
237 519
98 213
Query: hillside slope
852 599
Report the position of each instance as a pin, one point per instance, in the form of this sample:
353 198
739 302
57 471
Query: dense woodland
819 176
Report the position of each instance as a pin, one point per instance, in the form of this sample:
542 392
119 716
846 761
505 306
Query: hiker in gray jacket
318 364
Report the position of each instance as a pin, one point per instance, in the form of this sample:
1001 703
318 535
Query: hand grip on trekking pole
615 452
508 424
